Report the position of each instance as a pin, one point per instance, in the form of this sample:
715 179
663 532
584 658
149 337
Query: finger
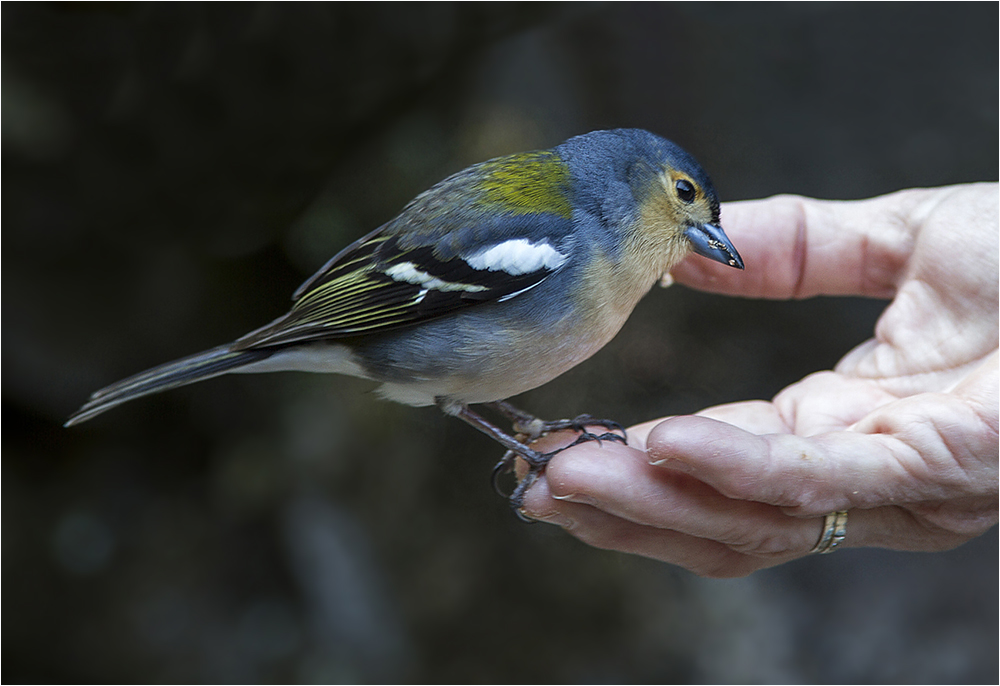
797 247
620 481
603 530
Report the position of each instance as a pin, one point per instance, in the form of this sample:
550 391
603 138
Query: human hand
902 433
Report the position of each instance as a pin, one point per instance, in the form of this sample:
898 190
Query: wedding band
834 532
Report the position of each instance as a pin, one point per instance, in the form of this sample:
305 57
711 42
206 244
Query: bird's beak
712 242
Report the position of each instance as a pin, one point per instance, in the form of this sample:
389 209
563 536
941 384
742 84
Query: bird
492 282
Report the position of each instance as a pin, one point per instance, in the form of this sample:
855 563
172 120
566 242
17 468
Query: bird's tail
181 372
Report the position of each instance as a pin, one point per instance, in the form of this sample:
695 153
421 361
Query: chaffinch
493 282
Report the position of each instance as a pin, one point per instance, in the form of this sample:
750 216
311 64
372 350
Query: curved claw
523 517
614 438
587 437
581 422
504 466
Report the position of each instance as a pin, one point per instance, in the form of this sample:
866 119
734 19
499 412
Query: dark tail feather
171 375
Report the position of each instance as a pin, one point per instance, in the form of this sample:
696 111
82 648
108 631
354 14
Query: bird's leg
528 428
536 460
462 411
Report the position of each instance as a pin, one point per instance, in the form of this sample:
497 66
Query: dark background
172 172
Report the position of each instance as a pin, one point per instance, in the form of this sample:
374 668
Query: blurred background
173 171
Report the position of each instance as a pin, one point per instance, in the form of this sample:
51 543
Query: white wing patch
407 272
517 256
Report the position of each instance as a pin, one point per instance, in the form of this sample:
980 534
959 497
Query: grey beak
712 242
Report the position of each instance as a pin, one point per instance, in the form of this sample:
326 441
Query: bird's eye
685 191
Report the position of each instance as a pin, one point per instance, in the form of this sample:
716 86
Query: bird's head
675 194
671 203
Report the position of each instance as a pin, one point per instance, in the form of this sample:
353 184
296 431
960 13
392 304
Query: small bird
491 283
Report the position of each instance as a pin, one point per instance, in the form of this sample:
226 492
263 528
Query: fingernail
575 498
557 518
672 463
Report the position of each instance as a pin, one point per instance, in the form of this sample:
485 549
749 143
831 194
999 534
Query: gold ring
834 532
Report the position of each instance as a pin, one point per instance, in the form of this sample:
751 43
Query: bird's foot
527 429
531 428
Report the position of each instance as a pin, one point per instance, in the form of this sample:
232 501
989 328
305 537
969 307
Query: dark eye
685 191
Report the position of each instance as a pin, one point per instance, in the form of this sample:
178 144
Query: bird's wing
432 260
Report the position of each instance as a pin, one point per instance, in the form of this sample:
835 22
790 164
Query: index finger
796 247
